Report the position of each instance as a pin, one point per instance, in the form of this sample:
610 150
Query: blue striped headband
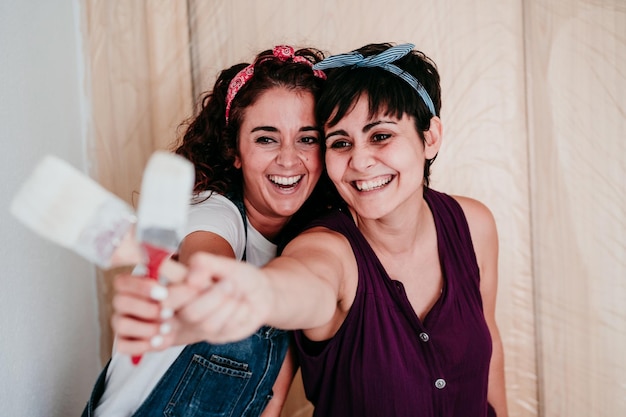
383 60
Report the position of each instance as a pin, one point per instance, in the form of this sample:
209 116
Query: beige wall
140 85
576 92
533 112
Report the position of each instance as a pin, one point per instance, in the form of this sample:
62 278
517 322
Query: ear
433 137
237 163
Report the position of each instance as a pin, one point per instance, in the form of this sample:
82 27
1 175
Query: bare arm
485 239
302 289
309 279
299 290
204 242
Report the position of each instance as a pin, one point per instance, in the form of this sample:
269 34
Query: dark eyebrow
339 132
264 129
369 126
366 128
273 129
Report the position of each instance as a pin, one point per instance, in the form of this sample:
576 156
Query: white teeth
372 184
286 181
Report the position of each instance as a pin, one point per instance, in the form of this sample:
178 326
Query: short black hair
384 90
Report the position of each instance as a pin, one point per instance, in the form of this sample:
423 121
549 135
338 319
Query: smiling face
377 163
279 154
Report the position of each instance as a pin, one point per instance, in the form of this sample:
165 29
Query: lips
373 184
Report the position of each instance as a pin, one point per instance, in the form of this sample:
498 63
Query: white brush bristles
65 206
166 191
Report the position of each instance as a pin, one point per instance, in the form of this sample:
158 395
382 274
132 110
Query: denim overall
214 380
233 379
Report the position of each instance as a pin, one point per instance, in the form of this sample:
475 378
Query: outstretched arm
298 290
223 300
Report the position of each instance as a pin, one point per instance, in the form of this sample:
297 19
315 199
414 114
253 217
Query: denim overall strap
234 379
237 200
96 393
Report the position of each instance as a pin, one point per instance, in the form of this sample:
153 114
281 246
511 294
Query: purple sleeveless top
383 361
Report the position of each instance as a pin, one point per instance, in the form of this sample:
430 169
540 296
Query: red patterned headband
282 52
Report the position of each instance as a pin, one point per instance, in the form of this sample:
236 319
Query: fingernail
167 313
165 328
140 270
156 341
158 293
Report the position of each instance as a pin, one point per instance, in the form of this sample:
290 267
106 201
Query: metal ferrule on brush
105 231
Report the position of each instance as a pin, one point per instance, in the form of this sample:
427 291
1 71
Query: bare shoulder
481 222
322 249
477 213
319 239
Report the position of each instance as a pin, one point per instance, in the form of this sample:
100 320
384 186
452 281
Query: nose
362 158
288 156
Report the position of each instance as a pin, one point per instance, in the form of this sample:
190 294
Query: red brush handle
156 256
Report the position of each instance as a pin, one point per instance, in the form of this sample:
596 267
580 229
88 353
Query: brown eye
264 139
340 144
379 137
310 140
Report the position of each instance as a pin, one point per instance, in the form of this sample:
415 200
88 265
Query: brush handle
156 256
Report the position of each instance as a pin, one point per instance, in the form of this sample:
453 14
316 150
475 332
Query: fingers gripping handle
155 256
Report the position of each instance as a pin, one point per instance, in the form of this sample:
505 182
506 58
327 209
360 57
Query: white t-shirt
128 385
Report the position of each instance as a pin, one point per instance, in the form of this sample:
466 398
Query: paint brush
166 189
65 206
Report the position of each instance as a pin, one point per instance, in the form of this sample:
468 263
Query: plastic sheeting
534 115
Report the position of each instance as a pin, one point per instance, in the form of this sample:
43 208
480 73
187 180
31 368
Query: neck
400 231
268 226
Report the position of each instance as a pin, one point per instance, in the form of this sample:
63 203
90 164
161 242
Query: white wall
48 314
